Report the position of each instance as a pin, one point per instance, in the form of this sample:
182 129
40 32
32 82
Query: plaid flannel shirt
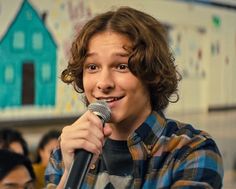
165 155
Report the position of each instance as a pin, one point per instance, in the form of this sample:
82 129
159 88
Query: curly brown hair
150 59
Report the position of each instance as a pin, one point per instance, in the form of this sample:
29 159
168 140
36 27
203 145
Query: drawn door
28 84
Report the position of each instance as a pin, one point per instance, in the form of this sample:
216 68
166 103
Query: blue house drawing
27 61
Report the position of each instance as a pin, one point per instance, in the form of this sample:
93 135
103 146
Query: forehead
19 175
16 147
108 39
51 144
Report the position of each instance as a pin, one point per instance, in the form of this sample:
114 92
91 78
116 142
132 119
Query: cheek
87 83
45 154
133 85
127 81
88 80
139 93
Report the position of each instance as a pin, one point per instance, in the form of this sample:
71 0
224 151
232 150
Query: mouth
110 99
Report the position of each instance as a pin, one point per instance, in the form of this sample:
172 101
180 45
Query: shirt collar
149 131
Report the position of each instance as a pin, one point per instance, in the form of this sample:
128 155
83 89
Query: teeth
109 99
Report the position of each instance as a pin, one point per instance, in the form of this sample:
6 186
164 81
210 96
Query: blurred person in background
16 171
13 140
47 143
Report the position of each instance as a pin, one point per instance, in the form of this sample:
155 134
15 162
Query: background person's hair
45 139
10 160
150 57
8 136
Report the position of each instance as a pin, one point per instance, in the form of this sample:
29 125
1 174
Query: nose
105 81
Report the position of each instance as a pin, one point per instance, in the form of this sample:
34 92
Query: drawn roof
27 6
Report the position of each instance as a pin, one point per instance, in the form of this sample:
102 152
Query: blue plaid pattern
167 154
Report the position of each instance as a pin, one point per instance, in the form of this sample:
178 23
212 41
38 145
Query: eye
123 67
91 67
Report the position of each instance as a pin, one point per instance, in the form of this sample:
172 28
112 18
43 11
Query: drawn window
37 41
46 72
19 40
9 74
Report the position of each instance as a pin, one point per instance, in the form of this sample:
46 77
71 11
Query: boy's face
106 76
17 178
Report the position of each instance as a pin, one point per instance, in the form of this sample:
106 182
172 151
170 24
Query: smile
110 99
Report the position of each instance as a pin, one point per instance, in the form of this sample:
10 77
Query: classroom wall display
28 59
35 41
34 48
188 44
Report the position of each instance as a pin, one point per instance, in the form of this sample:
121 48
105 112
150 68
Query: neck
123 129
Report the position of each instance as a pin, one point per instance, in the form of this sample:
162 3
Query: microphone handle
79 169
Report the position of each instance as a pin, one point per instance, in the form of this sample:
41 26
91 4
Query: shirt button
92 166
149 147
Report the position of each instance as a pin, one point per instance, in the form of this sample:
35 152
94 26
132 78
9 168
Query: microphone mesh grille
101 109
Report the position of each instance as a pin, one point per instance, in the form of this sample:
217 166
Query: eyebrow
11 184
15 184
30 181
121 54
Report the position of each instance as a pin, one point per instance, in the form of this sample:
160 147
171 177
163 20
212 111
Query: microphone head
101 109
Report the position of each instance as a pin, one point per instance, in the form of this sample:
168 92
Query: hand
86 133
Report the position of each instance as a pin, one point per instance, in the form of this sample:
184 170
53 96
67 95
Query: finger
71 145
70 138
89 116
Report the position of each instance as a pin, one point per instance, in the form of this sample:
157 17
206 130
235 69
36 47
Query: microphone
82 159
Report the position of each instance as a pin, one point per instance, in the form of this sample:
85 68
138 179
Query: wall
203 39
